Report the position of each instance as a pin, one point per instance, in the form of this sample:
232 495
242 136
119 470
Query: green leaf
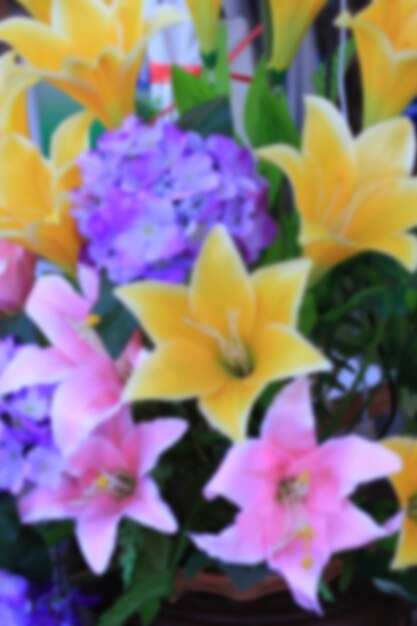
212 117
130 544
190 91
117 324
154 587
330 87
268 117
22 549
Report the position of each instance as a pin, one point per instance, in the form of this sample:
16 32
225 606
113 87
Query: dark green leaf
212 117
116 323
320 77
268 117
154 587
245 577
190 91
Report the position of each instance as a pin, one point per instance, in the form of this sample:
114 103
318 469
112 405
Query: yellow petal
387 210
405 480
385 150
90 27
221 287
177 370
326 253
70 139
279 291
291 20
40 9
162 309
281 352
327 139
130 14
205 15
406 551
403 248
228 410
25 179
298 169
35 42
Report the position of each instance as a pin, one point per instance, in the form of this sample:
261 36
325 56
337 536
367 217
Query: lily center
233 352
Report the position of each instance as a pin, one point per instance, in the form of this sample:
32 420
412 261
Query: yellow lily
404 483
15 79
352 194
205 15
291 19
90 49
386 39
36 212
40 9
223 338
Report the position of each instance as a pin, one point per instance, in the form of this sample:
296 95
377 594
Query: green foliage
190 91
22 549
268 118
214 116
116 322
153 587
325 78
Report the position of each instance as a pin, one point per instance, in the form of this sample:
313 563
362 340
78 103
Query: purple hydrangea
27 451
23 604
151 194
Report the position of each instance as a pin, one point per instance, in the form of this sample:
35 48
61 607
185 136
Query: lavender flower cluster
23 604
151 194
27 452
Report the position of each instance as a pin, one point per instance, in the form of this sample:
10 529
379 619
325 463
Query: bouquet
208 341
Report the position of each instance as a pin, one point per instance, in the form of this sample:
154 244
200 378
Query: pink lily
108 479
89 382
294 496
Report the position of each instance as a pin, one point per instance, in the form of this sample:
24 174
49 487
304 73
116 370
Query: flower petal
404 481
153 439
244 476
88 397
290 420
162 310
406 552
363 461
402 248
97 539
386 149
177 370
220 286
279 290
150 510
281 352
37 43
228 409
351 528
243 542
41 505
33 365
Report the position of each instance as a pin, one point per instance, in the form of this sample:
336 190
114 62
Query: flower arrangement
189 317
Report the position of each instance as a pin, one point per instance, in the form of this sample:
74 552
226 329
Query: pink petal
351 528
87 398
118 429
289 561
151 440
248 475
89 283
97 539
96 455
353 460
243 542
289 421
150 510
33 365
57 308
49 504
394 523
